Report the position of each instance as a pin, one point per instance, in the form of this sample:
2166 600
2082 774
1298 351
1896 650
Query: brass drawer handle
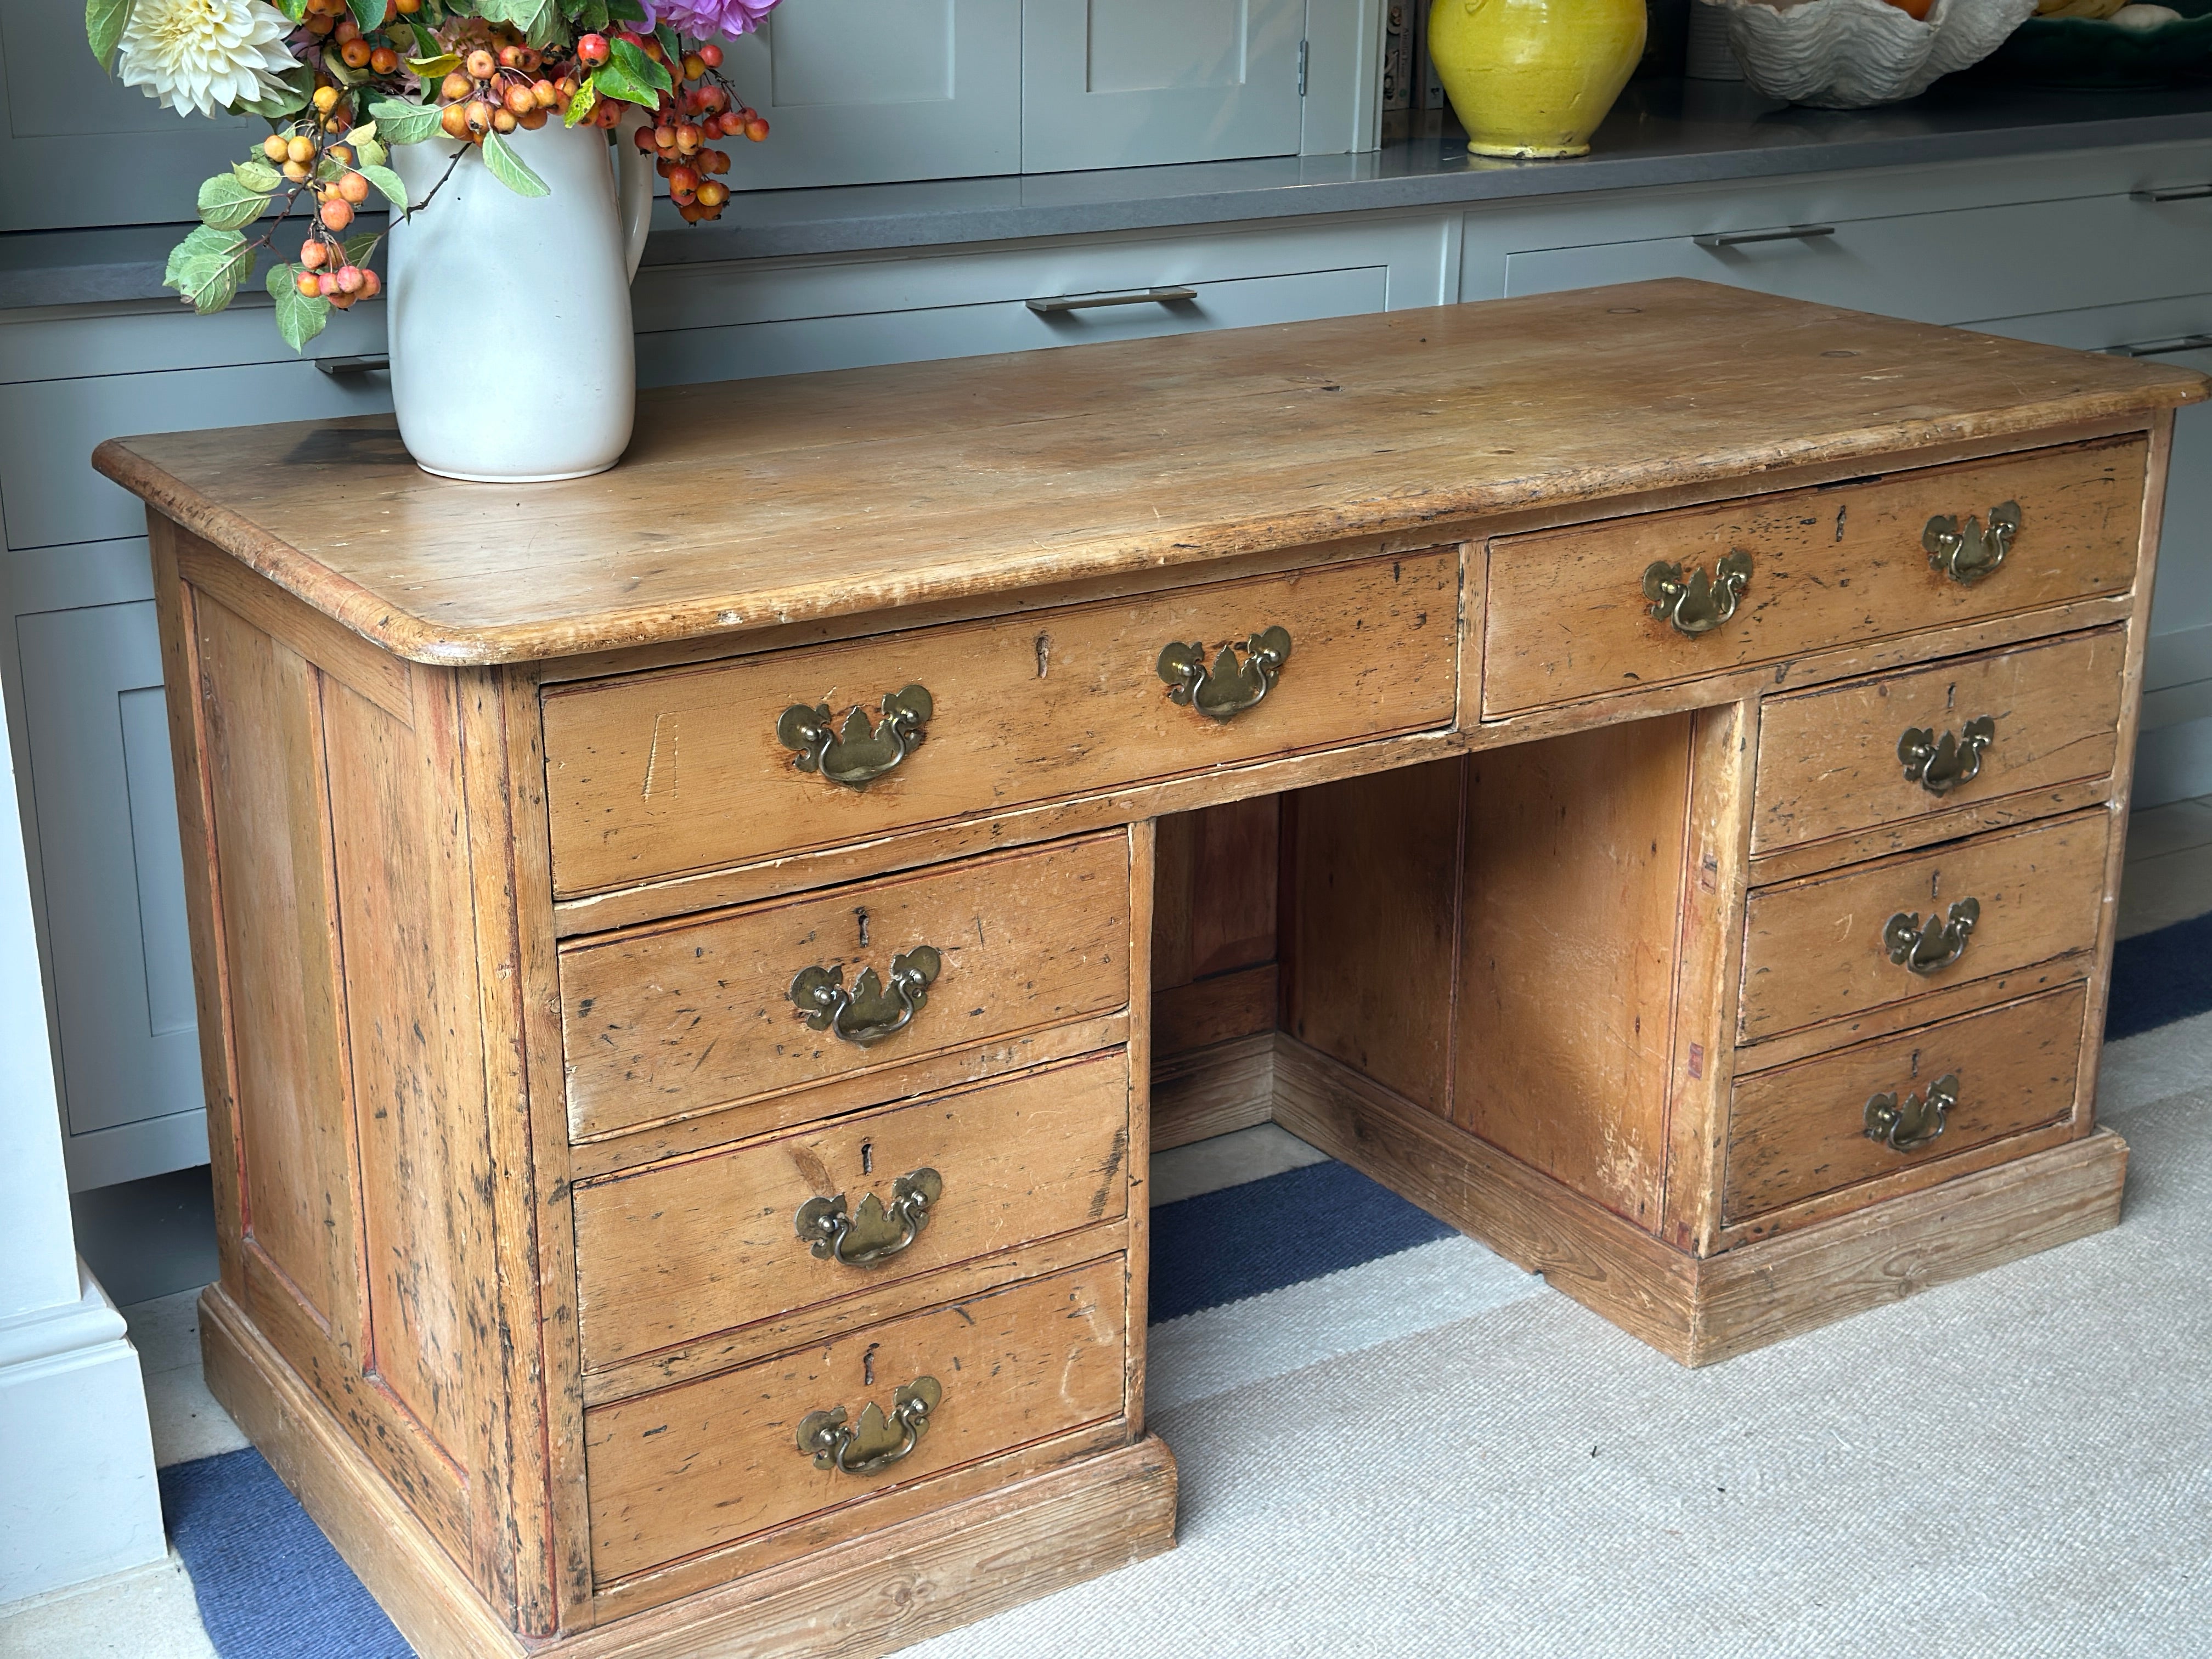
1968 555
1931 946
1917 1122
876 1230
1695 603
1940 765
870 1012
863 751
1230 687
877 1440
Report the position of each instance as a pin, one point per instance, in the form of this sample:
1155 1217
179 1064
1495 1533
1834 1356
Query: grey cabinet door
78 148
106 808
863 91
1110 83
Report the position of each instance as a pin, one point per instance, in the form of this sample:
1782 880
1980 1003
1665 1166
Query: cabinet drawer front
682 1250
1829 760
683 771
1568 616
668 1021
708 1463
1822 949
1799 1131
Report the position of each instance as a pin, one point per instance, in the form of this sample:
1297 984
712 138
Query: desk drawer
1799 1131
708 1463
683 769
1569 615
684 1249
1822 949
668 1021
1829 760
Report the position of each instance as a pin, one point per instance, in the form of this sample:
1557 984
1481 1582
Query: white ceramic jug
508 315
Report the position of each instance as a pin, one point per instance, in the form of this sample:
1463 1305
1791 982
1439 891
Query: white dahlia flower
204 55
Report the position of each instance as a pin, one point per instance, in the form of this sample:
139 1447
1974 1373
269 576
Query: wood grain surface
843 493
1567 617
710 1462
680 1250
1828 759
654 774
1798 1130
1814 950
669 1022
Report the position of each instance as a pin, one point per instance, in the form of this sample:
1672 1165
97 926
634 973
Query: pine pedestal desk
680 1146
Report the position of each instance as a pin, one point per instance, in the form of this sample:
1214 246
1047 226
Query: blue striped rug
269 1586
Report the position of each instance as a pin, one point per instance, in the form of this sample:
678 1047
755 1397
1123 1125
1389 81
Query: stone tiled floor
149 1614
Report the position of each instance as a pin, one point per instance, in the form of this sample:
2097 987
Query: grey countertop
1662 132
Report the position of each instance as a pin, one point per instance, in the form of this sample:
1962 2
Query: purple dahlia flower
702 19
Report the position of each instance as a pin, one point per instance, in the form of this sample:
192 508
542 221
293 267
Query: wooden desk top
743 505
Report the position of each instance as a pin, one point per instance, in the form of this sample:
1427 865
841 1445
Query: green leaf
103 26
226 204
612 82
335 67
403 123
295 10
358 248
588 17
367 14
437 68
509 168
669 44
585 101
371 150
625 11
300 317
387 181
640 67
426 43
256 175
207 266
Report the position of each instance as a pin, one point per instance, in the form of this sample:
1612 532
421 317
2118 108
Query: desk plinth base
1700 1311
875 1593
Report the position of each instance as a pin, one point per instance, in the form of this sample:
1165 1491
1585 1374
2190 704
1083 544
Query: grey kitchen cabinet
79 149
83 678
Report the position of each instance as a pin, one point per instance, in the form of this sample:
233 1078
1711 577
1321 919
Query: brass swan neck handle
875 1230
1929 947
1230 686
1966 553
880 1439
1696 604
1907 1125
870 1011
1940 765
860 751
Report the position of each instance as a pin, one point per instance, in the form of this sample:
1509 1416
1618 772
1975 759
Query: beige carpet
2020 1464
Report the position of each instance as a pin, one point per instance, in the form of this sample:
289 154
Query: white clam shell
1847 54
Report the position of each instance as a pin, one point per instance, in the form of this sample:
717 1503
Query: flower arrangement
339 80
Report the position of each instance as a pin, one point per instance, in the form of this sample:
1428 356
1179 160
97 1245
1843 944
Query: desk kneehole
1661 597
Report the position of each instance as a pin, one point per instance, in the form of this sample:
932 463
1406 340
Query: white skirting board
77 1497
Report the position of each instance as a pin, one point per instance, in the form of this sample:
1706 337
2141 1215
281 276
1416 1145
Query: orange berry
319 25
714 160
455 87
371 284
510 57
275 148
342 154
712 195
681 178
535 119
407 8
643 139
711 55
545 94
606 113
455 119
478 115
757 129
295 171
300 149
692 212
350 279
315 254
354 188
664 137
307 284
355 53
593 49
689 138
480 65
503 120
338 215
327 283
519 100
347 31
384 60
343 301
694 66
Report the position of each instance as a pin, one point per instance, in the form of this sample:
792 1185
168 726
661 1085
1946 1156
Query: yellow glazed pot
1534 77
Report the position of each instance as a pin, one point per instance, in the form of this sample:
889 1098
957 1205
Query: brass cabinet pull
1931 946
1695 603
1940 765
863 751
1230 687
1968 555
875 1229
877 1440
870 1012
1917 1123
